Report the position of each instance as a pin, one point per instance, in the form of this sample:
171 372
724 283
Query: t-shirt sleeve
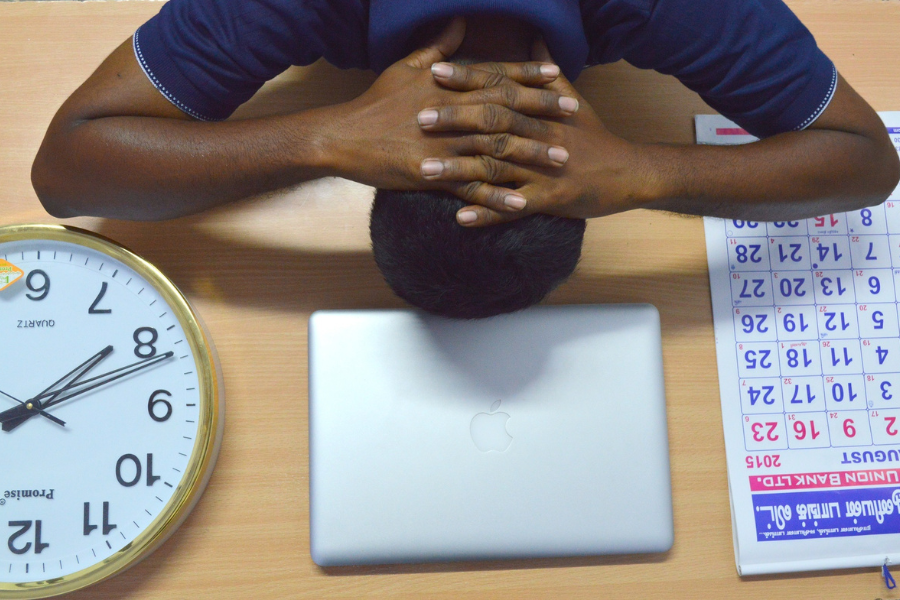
751 60
208 57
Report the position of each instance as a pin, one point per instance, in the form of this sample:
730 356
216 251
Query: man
132 142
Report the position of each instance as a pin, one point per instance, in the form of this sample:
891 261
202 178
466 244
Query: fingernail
442 70
514 201
467 216
558 154
431 167
428 117
568 104
549 70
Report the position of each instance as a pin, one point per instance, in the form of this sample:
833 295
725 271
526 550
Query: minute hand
100 380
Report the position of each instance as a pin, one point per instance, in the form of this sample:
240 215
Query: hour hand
17 415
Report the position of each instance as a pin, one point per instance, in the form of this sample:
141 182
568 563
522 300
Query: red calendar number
800 430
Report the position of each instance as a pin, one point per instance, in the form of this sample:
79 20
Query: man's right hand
377 139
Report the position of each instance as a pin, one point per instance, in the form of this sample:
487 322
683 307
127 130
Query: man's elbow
875 181
47 189
53 188
890 174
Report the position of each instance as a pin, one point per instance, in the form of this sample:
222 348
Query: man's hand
378 138
603 174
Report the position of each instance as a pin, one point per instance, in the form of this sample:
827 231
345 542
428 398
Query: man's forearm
149 168
791 176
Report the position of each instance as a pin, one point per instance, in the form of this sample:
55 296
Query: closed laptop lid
540 433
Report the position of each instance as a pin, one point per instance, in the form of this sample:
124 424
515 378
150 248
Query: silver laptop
536 434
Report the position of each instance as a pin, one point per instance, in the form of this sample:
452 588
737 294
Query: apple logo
489 430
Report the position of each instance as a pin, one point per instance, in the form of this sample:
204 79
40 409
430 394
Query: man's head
434 263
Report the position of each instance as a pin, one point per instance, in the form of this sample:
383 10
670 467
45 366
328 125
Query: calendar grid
815 310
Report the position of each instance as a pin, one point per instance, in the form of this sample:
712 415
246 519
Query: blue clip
888 579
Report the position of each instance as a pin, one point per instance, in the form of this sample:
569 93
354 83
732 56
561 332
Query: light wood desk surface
256 270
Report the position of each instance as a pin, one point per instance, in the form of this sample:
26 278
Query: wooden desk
257 270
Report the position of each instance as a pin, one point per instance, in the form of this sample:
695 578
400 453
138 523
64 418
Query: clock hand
107 378
14 417
77 388
41 412
100 355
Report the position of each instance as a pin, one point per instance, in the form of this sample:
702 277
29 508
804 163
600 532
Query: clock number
107 526
24 526
140 350
151 406
41 290
151 478
93 310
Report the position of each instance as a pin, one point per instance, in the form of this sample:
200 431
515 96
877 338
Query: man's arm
844 161
117 148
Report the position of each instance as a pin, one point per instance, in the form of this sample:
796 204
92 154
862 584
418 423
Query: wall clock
111 409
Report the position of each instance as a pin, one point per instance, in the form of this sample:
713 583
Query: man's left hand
604 174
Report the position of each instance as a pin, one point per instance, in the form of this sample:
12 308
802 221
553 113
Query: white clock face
93 345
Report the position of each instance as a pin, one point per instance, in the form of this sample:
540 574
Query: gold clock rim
210 426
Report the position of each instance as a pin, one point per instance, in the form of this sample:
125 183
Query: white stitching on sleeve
160 87
823 105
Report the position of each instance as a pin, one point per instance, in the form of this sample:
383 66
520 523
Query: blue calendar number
806 396
747 224
749 252
839 394
752 358
886 390
790 224
824 249
830 325
792 287
766 392
827 288
870 253
793 253
874 284
752 288
866 215
754 323
791 325
838 358
793 358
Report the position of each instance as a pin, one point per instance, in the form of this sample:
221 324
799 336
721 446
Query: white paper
808 349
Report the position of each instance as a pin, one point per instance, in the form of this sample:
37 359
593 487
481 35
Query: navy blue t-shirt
752 60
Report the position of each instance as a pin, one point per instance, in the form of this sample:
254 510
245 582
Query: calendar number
885 426
820 222
791 325
792 288
765 431
748 252
800 430
747 224
765 392
752 358
849 428
754 323
763 461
